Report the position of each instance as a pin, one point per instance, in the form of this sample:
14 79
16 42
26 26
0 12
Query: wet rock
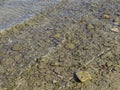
57 35
90 26
7 61
69 46
1 54
114 29
58 71
117 67
54 81
116 21
41 59
109 63
107 55
2 69
83 76
3 88
21 84
105 16
16 47
118 14
57 64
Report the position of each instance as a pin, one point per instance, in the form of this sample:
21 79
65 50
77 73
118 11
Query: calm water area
16 11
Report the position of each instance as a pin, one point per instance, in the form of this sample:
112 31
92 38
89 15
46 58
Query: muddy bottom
45 52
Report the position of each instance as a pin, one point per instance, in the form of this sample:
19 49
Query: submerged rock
16 47
69 46
105 16
83 76
114 29
90 26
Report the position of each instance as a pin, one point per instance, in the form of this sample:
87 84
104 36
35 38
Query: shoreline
28 21
46 52
21 11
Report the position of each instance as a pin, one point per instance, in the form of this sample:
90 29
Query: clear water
16 11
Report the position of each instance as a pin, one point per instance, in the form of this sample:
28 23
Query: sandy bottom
45 52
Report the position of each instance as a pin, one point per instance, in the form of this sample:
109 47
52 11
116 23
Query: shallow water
16 11
46 53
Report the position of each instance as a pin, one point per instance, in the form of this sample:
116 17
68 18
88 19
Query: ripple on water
16 11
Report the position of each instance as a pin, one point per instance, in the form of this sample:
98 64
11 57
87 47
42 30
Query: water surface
16 11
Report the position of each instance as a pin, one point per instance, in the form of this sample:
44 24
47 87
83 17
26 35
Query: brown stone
83 76
57 35
70 46
16 47
105 16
